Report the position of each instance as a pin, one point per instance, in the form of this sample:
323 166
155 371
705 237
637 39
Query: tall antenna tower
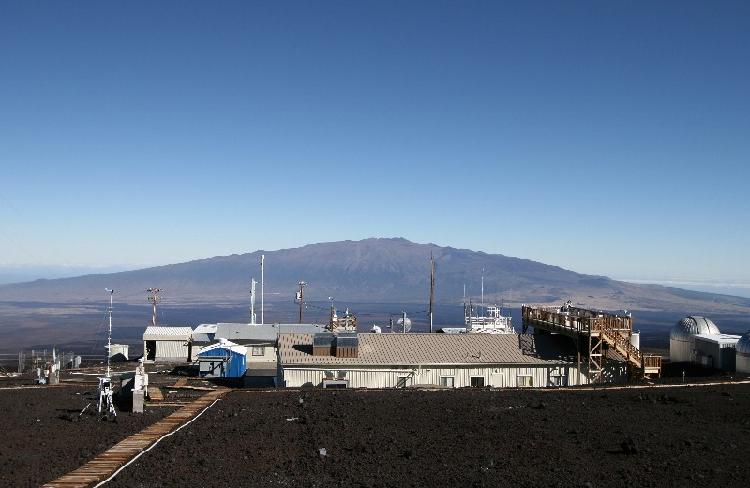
432 287
105 383
252 300
154 298
109 335
300 298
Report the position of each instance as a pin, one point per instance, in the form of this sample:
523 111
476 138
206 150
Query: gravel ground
44 438
696 436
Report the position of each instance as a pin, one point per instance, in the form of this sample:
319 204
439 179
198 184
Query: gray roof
257 333
199 338
166 333
722 339
435 349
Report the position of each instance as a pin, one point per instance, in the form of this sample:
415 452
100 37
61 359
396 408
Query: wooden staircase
599 329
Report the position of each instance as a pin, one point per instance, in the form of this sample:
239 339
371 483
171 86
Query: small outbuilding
118 352
168 344
716 351
224 359
204 335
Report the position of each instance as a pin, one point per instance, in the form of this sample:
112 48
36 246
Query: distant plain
82 328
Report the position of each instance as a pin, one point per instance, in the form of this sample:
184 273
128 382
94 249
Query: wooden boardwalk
106 464
155 394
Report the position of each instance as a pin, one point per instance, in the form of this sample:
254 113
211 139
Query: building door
150 350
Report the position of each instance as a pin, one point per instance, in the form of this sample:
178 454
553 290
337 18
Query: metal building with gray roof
449 360
168 344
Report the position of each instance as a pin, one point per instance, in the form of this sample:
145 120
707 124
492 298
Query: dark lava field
694 436
43 434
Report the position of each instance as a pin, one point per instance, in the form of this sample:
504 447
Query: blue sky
609 138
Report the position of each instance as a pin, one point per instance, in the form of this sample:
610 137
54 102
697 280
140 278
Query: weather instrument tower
105 383
154 298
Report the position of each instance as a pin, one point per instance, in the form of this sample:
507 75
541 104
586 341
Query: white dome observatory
743 354
682 337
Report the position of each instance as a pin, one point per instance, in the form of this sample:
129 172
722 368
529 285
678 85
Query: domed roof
690 326
743 345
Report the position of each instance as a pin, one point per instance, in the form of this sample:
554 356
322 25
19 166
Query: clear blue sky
605 137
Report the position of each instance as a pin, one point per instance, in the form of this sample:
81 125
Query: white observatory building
743 354
682 337
698 340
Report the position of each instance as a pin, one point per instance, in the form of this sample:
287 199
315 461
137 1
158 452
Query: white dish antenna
403 324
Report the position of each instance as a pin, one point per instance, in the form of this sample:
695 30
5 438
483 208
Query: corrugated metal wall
681 351
500 376
715 355
171 350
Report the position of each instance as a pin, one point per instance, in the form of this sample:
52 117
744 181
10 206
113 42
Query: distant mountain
371 270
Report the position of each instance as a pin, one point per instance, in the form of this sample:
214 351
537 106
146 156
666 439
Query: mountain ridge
371 270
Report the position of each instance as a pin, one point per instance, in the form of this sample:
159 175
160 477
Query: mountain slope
370 270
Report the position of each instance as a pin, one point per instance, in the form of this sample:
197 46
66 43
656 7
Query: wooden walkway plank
107 463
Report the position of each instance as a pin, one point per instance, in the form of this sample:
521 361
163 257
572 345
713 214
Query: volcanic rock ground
695 436
43 435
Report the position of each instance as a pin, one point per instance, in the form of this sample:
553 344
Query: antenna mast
464 300
252 300
262 291
432 287
154 298
482 287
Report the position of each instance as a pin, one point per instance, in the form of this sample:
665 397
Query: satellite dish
376 329
402 325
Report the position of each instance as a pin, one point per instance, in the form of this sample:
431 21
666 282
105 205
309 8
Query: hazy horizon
29 272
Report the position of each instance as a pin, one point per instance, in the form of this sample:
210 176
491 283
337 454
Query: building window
558 381
448 381
403 381
259 350
523 380
477 381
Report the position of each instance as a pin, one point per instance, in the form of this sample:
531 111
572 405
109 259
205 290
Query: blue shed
223 360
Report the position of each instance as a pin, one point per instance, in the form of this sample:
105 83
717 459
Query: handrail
608 326
630 351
